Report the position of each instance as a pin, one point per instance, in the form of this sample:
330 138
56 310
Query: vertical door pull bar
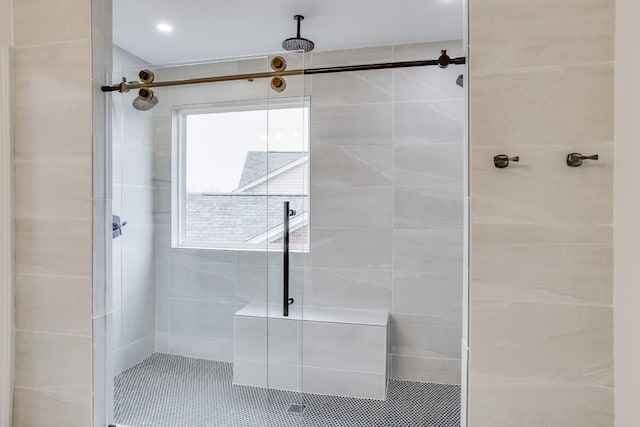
286 301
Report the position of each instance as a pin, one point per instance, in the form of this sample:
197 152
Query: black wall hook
575 159
501 161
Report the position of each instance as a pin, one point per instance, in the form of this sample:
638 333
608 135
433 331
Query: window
234 167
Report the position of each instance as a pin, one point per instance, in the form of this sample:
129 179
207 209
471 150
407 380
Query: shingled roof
240 217
256 163
235 218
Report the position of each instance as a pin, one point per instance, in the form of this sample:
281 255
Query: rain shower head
145 100
297 42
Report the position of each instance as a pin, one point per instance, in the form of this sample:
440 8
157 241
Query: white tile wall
387 204
540 336
134 287
387 209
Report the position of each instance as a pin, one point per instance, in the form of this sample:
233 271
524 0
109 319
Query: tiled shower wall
134 289
387 201
53 196
541 317
7 275
626 207
386 207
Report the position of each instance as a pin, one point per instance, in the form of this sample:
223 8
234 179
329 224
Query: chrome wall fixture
116 225
576 159
501 161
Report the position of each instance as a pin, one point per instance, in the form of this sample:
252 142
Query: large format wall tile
427 250
138 321
251 338
62 131
369 87
55 188
53 362
352 248
546 342
517 262
501 402
284 346
439 121
541 87
138 281
53 73
363 165
53 304
32 407
136 352
352 207
352 125
209 348
427 369
68 21
541 188
432 165
350 383
201 318
137 206
137 126
137 165
433 294
56 246
137 246
427 83
343 346
427 336
204 281
351 288
548 106
53 138
521 33
430 208
543 234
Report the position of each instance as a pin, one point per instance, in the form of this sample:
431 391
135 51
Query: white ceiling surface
208 29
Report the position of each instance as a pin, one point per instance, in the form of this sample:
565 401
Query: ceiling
207 29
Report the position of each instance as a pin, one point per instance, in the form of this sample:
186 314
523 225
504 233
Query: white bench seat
319 350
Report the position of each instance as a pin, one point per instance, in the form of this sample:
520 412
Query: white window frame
178 171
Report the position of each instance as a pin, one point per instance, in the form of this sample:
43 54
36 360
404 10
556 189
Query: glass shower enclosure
288 250
211 194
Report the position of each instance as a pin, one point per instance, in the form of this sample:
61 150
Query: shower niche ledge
330 351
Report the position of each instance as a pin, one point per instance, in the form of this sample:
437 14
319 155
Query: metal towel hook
501 161
575 159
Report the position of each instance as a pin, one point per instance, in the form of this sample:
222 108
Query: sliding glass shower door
213 182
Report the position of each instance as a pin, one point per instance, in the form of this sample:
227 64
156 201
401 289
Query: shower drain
296 408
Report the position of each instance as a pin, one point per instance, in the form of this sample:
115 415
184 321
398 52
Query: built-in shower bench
319 350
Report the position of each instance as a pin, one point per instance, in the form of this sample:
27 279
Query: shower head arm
298 18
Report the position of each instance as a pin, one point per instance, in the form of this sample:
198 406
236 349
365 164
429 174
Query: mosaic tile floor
173 391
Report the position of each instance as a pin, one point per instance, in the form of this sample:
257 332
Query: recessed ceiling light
165 28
